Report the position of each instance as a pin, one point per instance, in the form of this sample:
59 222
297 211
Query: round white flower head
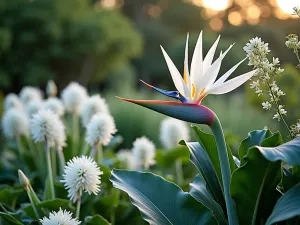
55 105
51 89
62 217
81 174
15 123
33 107
144 152
100 129
73 97
93 105
172 131
28 94
46 126
126 156
12 101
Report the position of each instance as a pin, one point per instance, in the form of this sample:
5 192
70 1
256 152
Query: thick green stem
32 204
78 207
75 135
179 172
99 153
61 159
53 162
225 169
50 174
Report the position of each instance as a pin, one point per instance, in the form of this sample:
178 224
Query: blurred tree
65 40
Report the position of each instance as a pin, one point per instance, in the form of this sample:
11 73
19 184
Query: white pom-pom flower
55 105
73 97
81 174
93 105
15 124
127 157
46 126
172 131
144 152
12 101
33 107
100 129
51 88
62 217
29 94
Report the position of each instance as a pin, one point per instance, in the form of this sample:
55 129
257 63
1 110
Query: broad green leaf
253 186
9 219
104 205
168 158
288 152
208 143
95 220
254 138
201 160
198 191
289 180
161 202
286 207
9 195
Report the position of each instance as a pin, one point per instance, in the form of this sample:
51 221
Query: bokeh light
287 5
235 18
217 5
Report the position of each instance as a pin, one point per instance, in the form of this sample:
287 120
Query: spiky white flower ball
55 105
15 123
28 94
127 157
81 174
144 152
100 129
51 89
46 126
93 105
12 101
62 217
172 131
73 97
33 107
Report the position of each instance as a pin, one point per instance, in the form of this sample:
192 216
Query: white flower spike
62 217
12 101
55 105
28 94
144 152
201 80
81 174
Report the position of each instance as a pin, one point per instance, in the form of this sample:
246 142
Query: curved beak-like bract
192 113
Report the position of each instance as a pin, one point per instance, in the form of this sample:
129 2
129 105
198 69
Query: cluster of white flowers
144 152
94 104
172 131
296 129
296 11
257 52
292 42
46 126
15 123
81 174
73 97
100 129
62 217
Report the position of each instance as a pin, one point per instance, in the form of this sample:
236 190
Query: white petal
186 63
230 85
228 73
176 76
210 55
211 74
197 61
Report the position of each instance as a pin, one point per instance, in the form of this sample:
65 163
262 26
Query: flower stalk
49 166
78 206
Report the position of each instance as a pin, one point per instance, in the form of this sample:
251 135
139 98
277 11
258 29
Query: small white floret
62 217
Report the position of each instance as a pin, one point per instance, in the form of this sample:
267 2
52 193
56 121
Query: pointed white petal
210 55
186 64
176 76
230 85
197 60
211 74
228 73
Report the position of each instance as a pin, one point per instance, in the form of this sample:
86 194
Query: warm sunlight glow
287 5
235 18
217 5
253 12
216 24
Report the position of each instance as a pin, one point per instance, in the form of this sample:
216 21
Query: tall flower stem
179 172
225 169
28 189
53 162
75 134
49 166
78 207
62 160
97 152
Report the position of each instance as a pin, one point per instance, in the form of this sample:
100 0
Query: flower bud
23 179
51 89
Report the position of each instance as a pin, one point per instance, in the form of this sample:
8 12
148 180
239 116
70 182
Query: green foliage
55 39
